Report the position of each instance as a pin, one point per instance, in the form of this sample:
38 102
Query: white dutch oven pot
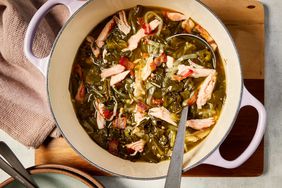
58 64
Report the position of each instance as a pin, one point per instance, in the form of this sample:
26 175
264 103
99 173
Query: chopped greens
133 75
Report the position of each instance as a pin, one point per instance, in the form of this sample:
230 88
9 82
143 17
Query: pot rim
145 178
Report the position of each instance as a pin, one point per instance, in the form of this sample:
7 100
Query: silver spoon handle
173 178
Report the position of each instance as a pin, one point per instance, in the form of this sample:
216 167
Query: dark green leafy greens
124 117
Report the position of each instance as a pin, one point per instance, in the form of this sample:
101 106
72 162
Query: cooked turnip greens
129 83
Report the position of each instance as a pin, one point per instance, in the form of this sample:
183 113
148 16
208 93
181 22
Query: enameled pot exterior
60 63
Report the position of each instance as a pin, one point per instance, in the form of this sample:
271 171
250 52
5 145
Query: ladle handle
174 173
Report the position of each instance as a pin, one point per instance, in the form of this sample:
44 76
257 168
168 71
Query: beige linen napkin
24 110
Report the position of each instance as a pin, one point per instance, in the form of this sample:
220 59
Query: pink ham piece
120 122
169 62
105 33
95 50
116 69
140 112
152 64
175 16
146 71
162 113
101 122
122 23
206 90
105 113
118 77
133 41
136 146
199 124
196 72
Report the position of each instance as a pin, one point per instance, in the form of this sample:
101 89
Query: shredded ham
175 16
206 90
95 51
152 64
169 62
136 146
105 33
134 40
104 55
116 69
104 112
122 23
162 113
189 71
200 124
101 122
120 122
118 77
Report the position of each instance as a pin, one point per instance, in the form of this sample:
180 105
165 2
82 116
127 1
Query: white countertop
272 176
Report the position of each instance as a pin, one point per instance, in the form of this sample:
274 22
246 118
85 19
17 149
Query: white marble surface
272 176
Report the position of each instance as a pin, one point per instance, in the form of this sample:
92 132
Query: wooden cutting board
245 21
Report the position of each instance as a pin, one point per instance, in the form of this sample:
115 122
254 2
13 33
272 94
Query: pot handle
42 63
217 160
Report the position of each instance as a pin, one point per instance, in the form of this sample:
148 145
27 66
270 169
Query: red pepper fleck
124 61
156 101
145 26
130 151
188 73
182 77
107 113
192 99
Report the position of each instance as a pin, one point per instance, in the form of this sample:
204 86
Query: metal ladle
201 40
15 169
173 178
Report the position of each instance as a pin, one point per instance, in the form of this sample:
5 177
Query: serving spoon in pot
204 43
15 169
173 178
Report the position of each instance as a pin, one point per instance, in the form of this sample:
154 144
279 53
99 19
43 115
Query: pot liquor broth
133 75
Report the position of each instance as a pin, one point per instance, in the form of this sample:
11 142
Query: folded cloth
24 110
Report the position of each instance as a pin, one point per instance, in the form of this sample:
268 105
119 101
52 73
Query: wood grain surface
245 21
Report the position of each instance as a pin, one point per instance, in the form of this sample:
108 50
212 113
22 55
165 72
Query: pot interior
62 58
